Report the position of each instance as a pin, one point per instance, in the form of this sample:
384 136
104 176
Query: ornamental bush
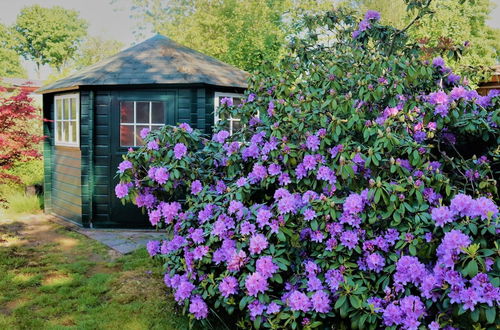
360 192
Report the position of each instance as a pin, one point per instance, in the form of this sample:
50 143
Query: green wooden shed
95 116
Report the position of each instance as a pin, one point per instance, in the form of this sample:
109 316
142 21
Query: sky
109 19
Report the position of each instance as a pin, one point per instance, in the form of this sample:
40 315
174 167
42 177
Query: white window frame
58 121
217 97
134 124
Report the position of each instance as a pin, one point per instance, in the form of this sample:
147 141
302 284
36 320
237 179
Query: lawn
54 278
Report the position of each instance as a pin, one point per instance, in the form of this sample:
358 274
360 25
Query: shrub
359 193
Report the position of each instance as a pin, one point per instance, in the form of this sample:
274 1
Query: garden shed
95 116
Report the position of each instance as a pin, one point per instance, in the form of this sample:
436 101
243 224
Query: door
132 112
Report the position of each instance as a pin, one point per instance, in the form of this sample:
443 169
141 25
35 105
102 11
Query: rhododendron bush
360 191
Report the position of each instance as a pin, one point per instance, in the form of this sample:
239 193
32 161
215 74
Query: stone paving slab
122 240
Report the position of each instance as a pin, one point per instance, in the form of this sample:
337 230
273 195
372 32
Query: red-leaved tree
18 141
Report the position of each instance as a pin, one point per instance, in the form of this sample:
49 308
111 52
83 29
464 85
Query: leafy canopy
360 192
49 35
239 32
10 64
459 26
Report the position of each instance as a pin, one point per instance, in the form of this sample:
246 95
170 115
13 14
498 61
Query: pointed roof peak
157 60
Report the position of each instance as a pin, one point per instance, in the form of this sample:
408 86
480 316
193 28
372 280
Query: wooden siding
102 159
66 193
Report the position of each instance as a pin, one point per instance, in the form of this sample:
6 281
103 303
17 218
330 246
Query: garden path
121 240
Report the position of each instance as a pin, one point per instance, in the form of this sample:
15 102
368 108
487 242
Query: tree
360 192
457 26
49 35
10 64
18 142
239 32
95 49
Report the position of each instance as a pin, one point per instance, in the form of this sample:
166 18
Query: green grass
53 278
20 203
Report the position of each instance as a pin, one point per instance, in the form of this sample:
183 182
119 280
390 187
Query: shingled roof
158 60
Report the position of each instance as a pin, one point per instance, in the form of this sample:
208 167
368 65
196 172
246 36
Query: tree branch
420 14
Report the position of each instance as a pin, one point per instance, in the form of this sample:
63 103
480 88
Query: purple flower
153 248
197 236
200 251
198 308
287 204
309 162
256 308
170 210
125 165
180 150
298 301
484 208
258 243
438 62
375 262
334 277
265 266
451 246
438 98
186 127
154 217
349 238
441 215
251 97
409 270
221 136
353 204
274 169
312 142
228 286
462 205
321 302
183 290
153 145
227 101
273 308
196 187
364 25
144 133
372 15
263 217
441 110
161 175
121 190
309 214
256 283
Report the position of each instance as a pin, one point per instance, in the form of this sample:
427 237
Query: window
67 120
136 115
233 124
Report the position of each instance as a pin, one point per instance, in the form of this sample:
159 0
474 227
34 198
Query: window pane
58 131
126 135
127 112
59 109
73 131
138 129
142 109
158 113
73 109
236 101
65 131
65 109
236 125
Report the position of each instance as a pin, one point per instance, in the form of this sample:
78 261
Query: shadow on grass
54 278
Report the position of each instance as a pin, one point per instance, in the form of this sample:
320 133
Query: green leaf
340 302
491 315
471 268
355 301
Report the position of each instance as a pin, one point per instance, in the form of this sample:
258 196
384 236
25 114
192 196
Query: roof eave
55 90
